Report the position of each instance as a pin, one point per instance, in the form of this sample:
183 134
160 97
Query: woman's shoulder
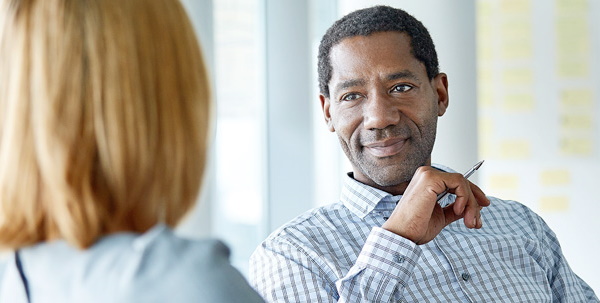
156 266
192 268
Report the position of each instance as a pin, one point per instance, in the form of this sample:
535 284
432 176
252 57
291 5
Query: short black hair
375 19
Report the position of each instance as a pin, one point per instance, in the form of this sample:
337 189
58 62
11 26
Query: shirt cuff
389 254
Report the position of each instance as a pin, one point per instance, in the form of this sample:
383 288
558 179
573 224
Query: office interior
524 90
524 94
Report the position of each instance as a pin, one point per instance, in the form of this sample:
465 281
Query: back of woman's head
104 116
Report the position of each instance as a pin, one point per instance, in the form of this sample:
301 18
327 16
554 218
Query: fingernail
475 222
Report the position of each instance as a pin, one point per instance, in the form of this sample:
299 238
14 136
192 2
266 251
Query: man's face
383 108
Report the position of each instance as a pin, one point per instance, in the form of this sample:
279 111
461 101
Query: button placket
398 258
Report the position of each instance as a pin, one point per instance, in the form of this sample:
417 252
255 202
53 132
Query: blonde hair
104 118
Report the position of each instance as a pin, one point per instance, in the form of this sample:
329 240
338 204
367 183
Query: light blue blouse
157 266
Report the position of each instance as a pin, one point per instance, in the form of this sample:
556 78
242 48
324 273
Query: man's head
380 96
371 20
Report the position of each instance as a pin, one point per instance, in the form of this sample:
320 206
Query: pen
466 175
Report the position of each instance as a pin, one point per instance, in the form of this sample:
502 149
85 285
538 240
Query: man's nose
380 112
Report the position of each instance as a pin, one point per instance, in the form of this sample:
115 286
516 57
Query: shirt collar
362 199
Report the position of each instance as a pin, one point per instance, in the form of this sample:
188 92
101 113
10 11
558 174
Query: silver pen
466 175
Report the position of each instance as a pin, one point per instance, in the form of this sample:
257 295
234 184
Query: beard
399 168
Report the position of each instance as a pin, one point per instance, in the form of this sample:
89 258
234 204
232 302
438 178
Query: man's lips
385 148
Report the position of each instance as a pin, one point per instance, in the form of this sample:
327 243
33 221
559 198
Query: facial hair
404 165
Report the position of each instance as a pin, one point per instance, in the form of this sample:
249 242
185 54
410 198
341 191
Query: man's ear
440 83
326 114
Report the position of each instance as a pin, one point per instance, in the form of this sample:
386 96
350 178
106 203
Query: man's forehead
386 55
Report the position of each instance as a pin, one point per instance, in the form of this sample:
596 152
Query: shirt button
465 276
398 258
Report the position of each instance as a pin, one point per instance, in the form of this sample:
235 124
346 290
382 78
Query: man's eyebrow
350 83
403 75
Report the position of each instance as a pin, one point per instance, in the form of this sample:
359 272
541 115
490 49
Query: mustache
380 134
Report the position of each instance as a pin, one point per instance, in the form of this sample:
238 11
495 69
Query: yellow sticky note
576 146
577 122
518 102
515 149
571 6
486 148
503 182
484 8
568 27
485 95
485 30
515 6
517 76
485 52
554 203
577 99
573 67
573 37
516 49
573 46
516 27
516 37
555 177
485 89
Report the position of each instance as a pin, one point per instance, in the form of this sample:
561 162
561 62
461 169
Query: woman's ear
326 114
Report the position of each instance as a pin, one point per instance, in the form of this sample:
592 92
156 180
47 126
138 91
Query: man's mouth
385 148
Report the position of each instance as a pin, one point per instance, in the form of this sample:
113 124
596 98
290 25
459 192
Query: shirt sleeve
285 272
566 285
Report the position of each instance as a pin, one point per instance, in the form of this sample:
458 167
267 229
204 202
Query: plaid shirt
339 253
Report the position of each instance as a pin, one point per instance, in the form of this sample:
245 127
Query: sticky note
573 26
574 46
486 148
577 99
555 177
515 6
572 37
518 102
503 182
517 76
486 135
516 49
516 37
484 8
571 6
576 146
573 67
515 149
554 203
485 87
577 122
516 27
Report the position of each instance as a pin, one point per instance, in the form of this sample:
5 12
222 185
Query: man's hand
419 218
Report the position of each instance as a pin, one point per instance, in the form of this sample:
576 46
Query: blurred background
524 93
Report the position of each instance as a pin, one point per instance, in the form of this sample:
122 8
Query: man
389 239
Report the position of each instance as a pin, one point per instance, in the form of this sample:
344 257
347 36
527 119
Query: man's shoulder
322 218
512 215
511 207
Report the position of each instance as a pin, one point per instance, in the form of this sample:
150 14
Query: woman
104 121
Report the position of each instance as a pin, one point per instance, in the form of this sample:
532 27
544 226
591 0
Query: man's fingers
479 195
450 214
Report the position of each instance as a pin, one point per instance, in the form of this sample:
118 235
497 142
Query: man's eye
350 97
401 88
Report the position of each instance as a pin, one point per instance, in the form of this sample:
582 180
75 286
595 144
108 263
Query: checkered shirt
339 253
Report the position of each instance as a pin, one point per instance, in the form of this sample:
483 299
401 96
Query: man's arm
283 272
566 285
